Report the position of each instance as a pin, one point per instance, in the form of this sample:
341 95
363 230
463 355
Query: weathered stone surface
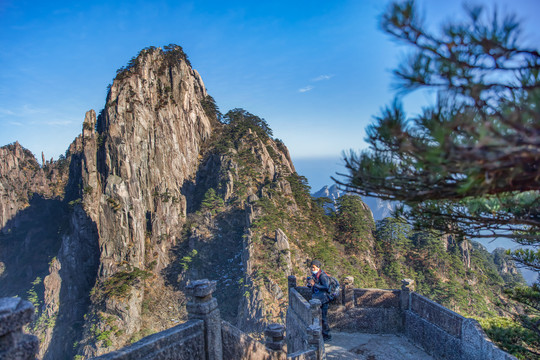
132 174
316 315
431 338
304 291
282 245
299 318
356 346
348 296
275 337
282 242
296 335
14 314
315 340
476 345
20 176
24 348
182 342
196 310
436 314
275 331
291 282
377 298
238 345
303 355
300 306
372 320
201 288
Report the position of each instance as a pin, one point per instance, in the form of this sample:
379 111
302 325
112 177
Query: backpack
334 289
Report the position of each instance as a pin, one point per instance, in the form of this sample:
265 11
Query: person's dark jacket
321 286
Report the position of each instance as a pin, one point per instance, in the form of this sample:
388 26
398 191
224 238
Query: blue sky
317 71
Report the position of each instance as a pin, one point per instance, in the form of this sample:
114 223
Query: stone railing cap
201 288
314 330
275 326
274 330
8 305
14 314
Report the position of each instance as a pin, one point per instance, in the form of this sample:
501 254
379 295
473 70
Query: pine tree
470 163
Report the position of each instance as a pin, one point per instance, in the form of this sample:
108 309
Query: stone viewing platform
361 346
370 324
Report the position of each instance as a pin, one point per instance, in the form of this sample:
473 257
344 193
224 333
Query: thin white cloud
59 122
16 123
24 111
32 110
4 112
323 77
305 89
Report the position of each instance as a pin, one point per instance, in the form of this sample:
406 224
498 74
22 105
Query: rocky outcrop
507 267
284 250
21 176
464 246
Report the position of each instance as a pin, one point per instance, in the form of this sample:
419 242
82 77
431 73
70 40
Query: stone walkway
372 347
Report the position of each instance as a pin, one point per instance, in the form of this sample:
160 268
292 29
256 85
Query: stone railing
184 341
438 330
304 329
445 334
203 337
14 344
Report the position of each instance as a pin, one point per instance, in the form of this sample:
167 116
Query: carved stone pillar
275 337
291 281
315 339
14 344
204 307
407 286
348 292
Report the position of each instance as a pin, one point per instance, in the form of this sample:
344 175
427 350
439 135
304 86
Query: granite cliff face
134 162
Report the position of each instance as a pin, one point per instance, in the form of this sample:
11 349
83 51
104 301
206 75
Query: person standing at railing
319 283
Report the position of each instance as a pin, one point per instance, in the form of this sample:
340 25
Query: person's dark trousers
325 327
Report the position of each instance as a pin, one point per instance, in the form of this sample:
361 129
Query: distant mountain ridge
379 208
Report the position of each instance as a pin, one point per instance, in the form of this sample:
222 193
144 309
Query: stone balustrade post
315 339
204 307
407 286
275 337
291 282
14 344
348 292
316 313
